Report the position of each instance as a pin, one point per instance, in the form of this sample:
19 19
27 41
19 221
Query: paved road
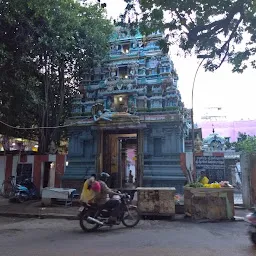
163 238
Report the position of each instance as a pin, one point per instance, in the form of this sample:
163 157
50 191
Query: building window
121 103
148 72
157 147
123 72
126 48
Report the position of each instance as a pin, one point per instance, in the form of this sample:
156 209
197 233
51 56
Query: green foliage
194 185
240 144
208 27
45 48
230 145
246 143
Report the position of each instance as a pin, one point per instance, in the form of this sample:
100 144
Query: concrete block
209 203
156 201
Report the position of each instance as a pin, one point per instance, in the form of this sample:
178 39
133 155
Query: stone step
160 163
178 184
164 166
160 159
162 171
78 173
164 177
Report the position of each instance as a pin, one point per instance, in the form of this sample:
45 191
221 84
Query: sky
234 93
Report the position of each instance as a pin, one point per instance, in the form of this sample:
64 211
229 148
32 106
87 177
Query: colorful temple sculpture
214 143
129 118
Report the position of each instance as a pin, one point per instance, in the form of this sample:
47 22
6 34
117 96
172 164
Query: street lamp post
203 57
192 108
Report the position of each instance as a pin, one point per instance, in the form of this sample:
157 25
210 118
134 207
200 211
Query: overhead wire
41 127
51 127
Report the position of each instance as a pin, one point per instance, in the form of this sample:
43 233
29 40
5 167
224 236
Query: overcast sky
235 93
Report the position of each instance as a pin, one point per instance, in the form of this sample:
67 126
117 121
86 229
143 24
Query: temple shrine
129 118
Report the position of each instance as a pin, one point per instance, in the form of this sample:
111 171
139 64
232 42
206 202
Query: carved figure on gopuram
198 144
99 113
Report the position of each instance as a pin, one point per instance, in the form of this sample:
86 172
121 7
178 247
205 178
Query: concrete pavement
35 237
33 209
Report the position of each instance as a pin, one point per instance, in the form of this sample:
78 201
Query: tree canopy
244 143
247 145
45 48
222 29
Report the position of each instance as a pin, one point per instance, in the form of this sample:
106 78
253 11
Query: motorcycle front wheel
86 225
21 198
253 237
131 217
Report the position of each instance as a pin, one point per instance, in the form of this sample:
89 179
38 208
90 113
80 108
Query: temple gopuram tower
128 119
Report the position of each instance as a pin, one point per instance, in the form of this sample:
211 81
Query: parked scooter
251 219
26 190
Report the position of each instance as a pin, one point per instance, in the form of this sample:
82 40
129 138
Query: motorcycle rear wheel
134 215
21 199
86 225
253 237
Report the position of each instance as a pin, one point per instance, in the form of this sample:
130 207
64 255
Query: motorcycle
91 219
26 190
251 219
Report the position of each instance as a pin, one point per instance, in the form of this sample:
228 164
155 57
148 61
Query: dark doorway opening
46 175
24 171
120 158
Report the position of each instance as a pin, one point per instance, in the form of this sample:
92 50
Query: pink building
228 128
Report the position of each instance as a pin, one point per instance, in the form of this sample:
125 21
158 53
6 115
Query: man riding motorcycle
103 198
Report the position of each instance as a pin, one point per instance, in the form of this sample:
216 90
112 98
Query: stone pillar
140 160
167 141
246 162
157 132
146 141
173 142
94 142
76 145
177 141
182 141
87 139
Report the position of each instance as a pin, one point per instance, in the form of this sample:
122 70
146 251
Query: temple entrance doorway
120 159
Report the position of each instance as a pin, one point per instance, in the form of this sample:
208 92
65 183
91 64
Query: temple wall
162 147
82 153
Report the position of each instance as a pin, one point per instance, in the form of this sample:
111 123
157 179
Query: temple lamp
203 57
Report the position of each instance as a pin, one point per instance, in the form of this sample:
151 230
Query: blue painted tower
130 104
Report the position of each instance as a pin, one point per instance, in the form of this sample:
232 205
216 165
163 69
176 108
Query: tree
240 144
45 48
224 30
247 145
